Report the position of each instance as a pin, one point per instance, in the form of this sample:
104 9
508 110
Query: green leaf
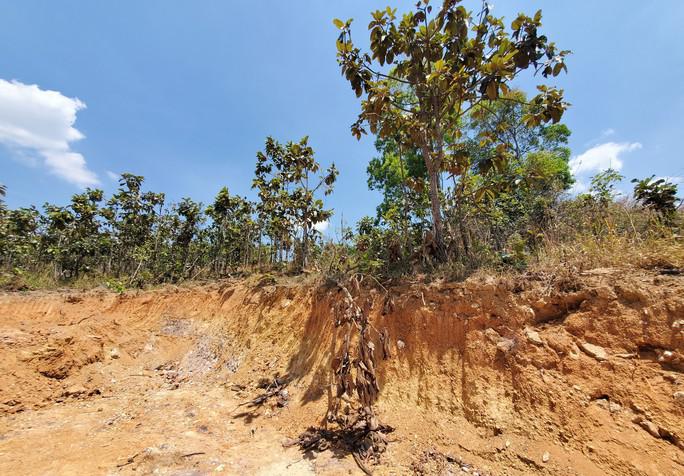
338 23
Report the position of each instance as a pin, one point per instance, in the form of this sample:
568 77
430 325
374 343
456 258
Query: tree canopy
451 61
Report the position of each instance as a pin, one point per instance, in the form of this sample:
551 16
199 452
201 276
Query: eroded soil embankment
503 378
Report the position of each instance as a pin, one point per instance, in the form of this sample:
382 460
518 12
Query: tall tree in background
232 231
399 174
186 222
451 62
85 236
520 192
21 236
55 239
287 184
132 215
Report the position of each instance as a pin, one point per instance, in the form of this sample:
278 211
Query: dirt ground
529 376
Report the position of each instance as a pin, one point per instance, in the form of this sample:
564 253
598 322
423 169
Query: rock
595 351
678 324
614 407
533 337
577 388
546 457
527 312
679 397
400 344
114 353
650 427
75 391
574 353
560 346
508 443
492 335
505 345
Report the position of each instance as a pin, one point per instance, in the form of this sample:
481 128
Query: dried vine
355 386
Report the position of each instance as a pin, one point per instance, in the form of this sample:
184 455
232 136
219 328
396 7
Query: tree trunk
435 206
305 247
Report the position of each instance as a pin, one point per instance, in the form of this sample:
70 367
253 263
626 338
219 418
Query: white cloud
41 122
672 179
607 132
321 226
602 157
578 188
113 176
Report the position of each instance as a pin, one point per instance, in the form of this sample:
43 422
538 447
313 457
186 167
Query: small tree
232 231
186 222
55 239
21 236
132 214
602 187
85 238
287 189
658 195
451 62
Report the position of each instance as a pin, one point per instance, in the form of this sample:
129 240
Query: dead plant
355 386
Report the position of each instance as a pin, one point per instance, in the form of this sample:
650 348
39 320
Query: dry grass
619 251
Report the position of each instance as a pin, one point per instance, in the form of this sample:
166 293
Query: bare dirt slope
491 377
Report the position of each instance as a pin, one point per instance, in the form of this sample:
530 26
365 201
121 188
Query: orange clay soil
486 377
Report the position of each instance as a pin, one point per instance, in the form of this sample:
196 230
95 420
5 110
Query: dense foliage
425 72
135 237
472 172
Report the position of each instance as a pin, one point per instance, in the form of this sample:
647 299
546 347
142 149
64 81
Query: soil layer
527 376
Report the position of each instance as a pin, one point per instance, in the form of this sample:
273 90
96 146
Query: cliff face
501 377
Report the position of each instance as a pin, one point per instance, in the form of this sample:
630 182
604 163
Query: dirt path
148 429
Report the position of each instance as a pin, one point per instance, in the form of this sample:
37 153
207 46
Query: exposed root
273 388
364 445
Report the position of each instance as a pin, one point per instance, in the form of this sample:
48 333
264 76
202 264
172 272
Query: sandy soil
536 376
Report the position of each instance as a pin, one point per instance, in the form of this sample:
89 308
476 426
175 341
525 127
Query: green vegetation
425 73
135 238
473 174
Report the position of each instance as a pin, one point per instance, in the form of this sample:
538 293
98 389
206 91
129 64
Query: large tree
451 62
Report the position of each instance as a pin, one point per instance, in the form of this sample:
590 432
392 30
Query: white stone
533 337
505 345
679 397
595 351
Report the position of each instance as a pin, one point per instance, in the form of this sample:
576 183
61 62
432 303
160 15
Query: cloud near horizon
602 157
38 122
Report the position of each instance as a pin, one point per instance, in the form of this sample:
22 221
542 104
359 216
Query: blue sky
185 92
